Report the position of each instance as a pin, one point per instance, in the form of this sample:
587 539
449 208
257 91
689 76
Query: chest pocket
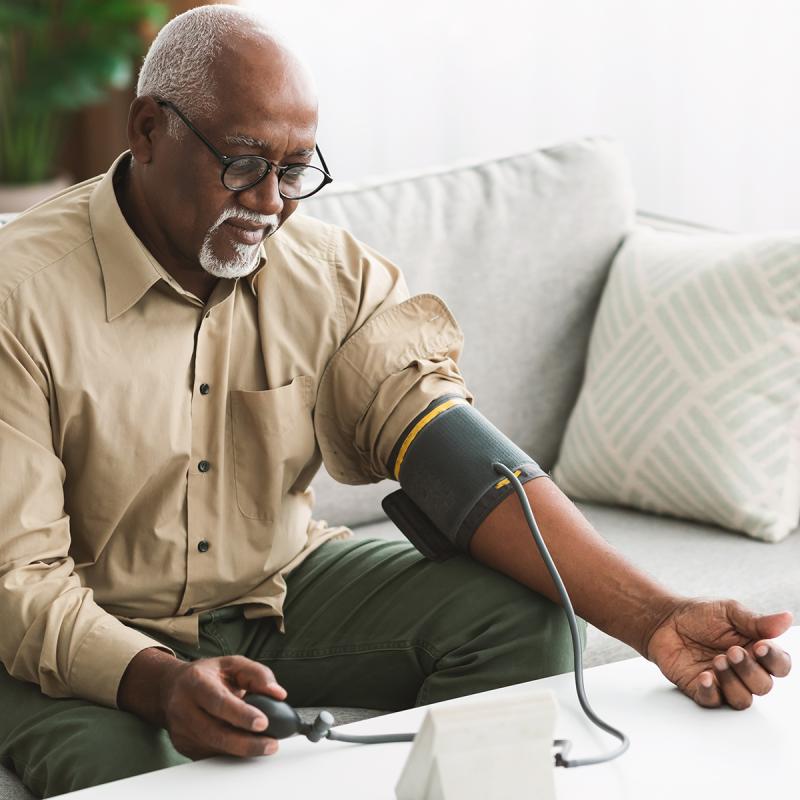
273 439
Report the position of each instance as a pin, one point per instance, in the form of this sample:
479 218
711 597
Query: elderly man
178 356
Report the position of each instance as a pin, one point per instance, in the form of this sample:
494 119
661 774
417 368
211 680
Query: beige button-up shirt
156 451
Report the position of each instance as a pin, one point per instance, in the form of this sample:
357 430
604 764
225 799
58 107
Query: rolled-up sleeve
397 355
53 632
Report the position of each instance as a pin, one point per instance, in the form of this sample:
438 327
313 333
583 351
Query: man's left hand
718 652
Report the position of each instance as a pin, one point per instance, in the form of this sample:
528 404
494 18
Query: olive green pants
369 624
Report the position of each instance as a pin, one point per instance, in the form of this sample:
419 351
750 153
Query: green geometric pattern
690 404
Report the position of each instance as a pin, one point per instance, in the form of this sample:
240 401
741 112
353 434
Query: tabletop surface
677 749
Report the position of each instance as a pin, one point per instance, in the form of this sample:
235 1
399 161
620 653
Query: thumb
758 626
253 676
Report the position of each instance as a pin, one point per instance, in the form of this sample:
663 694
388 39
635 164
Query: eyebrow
250 141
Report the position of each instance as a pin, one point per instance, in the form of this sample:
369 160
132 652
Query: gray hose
321 726
577 655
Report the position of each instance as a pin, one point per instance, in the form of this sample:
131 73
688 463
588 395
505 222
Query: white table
678 750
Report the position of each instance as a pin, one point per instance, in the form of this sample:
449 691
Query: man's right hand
200 702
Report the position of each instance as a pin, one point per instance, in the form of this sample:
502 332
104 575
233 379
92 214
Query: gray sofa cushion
11 787
519 249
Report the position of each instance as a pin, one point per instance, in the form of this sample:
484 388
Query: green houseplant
57 56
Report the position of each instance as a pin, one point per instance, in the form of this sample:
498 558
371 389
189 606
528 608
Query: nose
264 197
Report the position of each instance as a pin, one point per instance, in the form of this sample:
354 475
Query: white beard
245 256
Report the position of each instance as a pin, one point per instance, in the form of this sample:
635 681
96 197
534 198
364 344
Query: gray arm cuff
447 471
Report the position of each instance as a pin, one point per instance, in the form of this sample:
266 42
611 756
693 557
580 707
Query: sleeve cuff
369 377
103 657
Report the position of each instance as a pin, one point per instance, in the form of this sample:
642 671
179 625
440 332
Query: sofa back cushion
519 248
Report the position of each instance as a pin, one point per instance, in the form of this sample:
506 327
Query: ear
146 124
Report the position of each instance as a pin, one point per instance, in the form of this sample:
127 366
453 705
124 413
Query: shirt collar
129 269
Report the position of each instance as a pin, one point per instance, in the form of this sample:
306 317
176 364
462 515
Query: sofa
520 249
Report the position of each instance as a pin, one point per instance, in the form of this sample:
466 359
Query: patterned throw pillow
690 404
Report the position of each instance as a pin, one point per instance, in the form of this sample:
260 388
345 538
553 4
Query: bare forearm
604 588
142 688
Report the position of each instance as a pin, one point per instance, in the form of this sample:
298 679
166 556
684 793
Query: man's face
266 107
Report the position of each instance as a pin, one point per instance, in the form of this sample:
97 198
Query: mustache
268 221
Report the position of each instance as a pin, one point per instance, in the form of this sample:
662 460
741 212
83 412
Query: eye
243 172
245 166
294 176
301 181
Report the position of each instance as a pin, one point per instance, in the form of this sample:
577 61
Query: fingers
735 693
772 658
752 675
242 675
211 737
223 704
738 675
252 676
706 692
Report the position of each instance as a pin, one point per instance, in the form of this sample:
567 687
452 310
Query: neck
132 202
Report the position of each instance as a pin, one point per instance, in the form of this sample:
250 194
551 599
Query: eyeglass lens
296 182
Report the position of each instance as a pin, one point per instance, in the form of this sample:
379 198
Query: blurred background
703 93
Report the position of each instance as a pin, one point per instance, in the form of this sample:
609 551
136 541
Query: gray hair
179 64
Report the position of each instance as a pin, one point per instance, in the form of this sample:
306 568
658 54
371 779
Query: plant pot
19 196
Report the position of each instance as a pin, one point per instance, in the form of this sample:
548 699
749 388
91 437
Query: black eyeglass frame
227 161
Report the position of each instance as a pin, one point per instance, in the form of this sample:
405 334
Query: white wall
705 95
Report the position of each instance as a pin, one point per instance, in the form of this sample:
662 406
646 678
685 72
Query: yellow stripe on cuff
419 426
504 482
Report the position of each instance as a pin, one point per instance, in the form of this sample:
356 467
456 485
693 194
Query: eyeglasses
295 181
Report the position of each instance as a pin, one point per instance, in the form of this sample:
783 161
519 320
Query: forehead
262 92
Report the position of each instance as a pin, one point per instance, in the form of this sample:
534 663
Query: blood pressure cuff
444 461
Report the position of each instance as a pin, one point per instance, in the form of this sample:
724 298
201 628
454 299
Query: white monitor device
484 750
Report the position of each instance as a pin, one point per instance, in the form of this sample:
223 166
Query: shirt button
203 546
204 388
204 466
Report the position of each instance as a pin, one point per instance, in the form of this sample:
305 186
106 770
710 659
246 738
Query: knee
496 632
544 646
105 745
129 746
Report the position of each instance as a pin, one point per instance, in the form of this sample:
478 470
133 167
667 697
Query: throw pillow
690 404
